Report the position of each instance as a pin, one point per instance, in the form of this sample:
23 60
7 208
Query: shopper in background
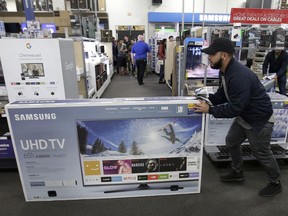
121 61
115 53
171 38
241 95
277 61
130 63
178 41
139 53
127 43
161 59
250 55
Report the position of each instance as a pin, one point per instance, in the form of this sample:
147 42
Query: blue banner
29 10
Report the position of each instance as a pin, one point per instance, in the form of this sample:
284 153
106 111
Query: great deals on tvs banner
258 16
107 148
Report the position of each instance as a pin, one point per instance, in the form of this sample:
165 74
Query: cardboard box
88 149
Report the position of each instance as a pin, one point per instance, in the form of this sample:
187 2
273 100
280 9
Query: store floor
127 86
216 198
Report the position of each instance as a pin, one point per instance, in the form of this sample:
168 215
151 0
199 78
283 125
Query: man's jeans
259 144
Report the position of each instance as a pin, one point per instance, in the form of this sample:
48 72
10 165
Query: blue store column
28 9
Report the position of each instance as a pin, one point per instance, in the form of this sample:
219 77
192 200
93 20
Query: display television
12 27
50 26
195 69
141 150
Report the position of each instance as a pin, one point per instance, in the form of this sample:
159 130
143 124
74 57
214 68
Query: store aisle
127 86
215 198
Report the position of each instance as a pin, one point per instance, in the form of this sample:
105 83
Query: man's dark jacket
276 65
247 97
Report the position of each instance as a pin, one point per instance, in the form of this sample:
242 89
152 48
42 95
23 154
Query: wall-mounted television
50 26
115 152
195 69
12 27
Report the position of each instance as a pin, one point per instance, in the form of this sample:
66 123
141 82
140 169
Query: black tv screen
195 69
12 27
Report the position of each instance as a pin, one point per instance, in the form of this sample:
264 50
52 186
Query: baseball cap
220 44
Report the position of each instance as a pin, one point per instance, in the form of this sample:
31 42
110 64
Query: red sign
258 16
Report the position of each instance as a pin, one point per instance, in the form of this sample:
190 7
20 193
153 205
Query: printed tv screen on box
118 151
106 148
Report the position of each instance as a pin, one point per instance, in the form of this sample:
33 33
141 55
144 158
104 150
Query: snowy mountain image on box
280 126
140 137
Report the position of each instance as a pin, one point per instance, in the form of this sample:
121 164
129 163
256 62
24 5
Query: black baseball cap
220 44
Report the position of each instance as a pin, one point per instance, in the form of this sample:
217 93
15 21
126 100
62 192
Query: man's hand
149 56
202 107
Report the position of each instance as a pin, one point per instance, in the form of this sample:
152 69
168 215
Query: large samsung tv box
82 149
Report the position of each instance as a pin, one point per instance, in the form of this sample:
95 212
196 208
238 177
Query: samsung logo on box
35 116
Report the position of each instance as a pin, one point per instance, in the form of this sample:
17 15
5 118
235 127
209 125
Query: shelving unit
222 154
258 60
178 72
7 157
153 43
98 66
99 77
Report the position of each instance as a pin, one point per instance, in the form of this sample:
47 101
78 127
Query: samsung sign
198 17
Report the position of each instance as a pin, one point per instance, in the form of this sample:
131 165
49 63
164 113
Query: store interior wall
211 6
131 12
127 12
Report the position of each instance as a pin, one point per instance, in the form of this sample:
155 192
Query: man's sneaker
271 189
233 176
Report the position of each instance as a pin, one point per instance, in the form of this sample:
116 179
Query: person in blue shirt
139 53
